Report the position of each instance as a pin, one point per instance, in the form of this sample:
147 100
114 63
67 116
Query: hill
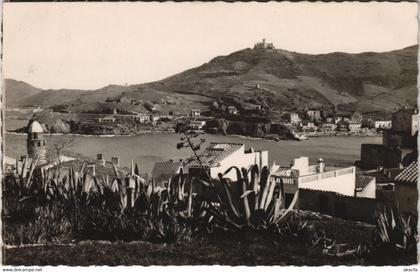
18 90
278 79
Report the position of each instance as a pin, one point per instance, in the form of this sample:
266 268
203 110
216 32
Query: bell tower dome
35 143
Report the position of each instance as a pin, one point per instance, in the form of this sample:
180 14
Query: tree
58 146
189 140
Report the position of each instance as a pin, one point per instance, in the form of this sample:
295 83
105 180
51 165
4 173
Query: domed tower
35 143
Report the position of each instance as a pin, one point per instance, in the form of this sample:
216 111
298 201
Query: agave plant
395 232
254 199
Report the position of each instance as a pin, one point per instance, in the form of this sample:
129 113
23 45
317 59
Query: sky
91 45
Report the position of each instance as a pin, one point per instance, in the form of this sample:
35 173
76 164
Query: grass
253 249
222 248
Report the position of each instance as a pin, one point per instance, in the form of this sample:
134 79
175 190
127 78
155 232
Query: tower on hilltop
264 45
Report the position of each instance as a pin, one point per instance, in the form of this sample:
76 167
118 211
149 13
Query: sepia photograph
197 133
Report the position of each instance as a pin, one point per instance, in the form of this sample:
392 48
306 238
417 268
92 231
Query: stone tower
35 143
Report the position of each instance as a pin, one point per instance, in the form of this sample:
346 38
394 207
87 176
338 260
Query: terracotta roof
163 171
217 152
100 169
409 174
362 181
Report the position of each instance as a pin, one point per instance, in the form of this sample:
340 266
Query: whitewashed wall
342 184
239 159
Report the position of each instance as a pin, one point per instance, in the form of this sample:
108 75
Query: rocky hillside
278 79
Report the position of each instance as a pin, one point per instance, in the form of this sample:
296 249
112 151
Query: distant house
342 125
154 118
195 113
354 126
196 124
328 127
314 115
142 117
382 124
107 119
292 117
308 125
218 157
232 110
163 171
406 188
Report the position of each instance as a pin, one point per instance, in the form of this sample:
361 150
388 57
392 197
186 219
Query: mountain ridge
279 79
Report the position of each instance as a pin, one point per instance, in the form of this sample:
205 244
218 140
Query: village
227 120
166 137
385 175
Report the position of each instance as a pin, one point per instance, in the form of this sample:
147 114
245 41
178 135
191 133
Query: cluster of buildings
342 191
318 121
386 175
399 143
351 192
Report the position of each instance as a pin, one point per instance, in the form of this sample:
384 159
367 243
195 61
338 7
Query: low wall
352 208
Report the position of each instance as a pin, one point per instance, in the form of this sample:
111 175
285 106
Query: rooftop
217 152
362 181
166 169
409 174
35 127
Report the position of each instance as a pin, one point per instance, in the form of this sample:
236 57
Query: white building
142 117
354 126
365 186
321 177
383 124
218 157
327 127
314 115
195 113
196 124
107 119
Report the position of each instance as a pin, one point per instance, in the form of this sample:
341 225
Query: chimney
321 166
100 159
116 160
93 170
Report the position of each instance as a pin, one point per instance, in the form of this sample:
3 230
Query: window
39 143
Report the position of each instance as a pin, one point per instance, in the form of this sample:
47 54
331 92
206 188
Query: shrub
395 233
